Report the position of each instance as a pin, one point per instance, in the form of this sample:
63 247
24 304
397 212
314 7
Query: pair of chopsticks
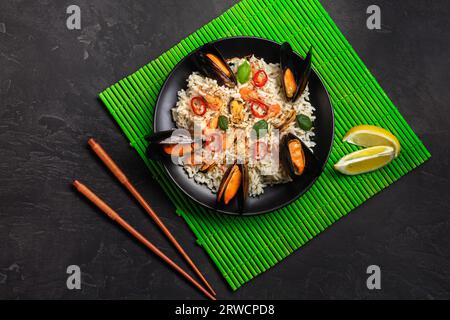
101 153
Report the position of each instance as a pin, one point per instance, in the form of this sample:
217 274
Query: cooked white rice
261 173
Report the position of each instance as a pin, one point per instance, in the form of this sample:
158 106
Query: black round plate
273 197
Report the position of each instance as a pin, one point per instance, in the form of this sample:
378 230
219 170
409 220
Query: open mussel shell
159 140
211 63
295 72
296 157
235 183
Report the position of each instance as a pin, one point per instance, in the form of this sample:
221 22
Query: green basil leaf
304 122
223 123
260 127
243 72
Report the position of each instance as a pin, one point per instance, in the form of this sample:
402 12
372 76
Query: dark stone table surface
50 78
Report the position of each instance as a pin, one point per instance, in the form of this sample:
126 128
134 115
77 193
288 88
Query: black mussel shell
301 70
306 73
210 69
311 162
224 183
159 139
242 193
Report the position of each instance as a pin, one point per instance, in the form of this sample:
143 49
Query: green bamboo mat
243 247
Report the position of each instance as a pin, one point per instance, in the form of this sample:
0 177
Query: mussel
285 119
177 142
295 72
296 156
207 166
236 108
210 62
234 182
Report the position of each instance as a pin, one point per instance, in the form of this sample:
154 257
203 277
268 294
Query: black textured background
49 81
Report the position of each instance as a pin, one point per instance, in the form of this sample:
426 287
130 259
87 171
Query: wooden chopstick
118 173
115 217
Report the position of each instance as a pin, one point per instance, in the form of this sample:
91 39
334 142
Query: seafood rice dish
243 123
